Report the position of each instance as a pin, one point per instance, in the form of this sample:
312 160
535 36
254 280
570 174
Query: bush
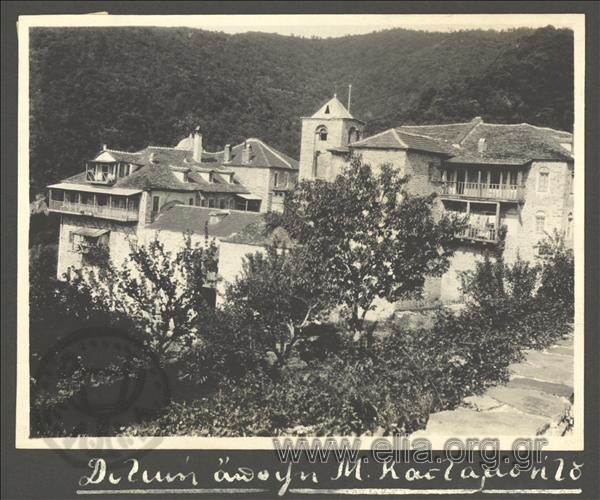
351 393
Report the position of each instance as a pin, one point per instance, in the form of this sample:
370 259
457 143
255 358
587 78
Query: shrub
351 393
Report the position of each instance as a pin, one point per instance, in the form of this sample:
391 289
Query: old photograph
249 227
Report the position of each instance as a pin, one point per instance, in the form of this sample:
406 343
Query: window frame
540 215
544 173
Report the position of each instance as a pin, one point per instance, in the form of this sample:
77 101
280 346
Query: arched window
353 135
540 221
322 133
543 180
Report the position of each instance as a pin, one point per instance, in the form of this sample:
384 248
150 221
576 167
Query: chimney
216 217
481 145
104 147
246 153
227 153
197 147
349 96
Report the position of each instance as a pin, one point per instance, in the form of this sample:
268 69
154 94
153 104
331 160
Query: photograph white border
263 22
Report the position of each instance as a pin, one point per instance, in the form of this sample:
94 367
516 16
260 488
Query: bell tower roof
333 109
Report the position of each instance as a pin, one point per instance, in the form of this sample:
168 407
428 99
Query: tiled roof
181 218
262 155
156 172
513 144
124 156
503 142
451 132
399 139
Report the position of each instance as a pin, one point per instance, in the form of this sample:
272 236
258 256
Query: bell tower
327 132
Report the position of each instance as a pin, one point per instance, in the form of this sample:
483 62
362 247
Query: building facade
514 182
116 200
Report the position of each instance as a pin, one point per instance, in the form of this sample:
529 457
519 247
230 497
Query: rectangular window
191 201
222 203
211 203
276 179
572 183
543 182
540 221
155 203
202 203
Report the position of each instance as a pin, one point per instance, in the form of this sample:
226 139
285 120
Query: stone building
515 181
118 197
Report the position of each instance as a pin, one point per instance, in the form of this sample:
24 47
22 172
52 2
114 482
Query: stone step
549 372
501 421
561 349
529 401
555 389
543 359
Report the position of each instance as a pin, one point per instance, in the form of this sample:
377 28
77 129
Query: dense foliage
129 87
369 237
160 291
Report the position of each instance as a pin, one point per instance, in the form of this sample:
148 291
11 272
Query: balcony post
497 219
479 182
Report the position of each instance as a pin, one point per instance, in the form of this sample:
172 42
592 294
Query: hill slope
129 87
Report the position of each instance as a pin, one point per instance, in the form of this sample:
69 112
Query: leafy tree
157 290
557 275
368 237
277 294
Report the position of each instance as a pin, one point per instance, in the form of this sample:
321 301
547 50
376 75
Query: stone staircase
535 401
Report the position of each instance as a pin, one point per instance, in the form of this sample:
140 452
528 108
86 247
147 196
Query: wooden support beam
497 218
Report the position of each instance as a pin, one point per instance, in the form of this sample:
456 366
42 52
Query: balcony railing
100 177
104 211
479 234
510 192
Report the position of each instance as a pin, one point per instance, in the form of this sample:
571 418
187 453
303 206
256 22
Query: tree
279 298
161 292
557 273
368 237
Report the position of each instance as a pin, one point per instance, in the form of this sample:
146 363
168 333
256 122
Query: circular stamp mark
92 384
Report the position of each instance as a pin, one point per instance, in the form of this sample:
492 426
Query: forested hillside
128 87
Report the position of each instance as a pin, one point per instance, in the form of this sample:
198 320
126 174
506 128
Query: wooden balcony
102 211
487 234
481 191
100 177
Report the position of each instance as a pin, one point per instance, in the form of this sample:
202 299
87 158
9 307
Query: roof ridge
166 147
475 125
439 124
371 137
420 135
402 143
272 151
550 129
119 151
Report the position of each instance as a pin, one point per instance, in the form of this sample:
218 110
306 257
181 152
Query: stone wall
337 136
257 180
555 204
121 235
231 257
464 259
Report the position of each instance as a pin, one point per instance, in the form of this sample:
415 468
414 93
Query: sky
341 25
320 25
